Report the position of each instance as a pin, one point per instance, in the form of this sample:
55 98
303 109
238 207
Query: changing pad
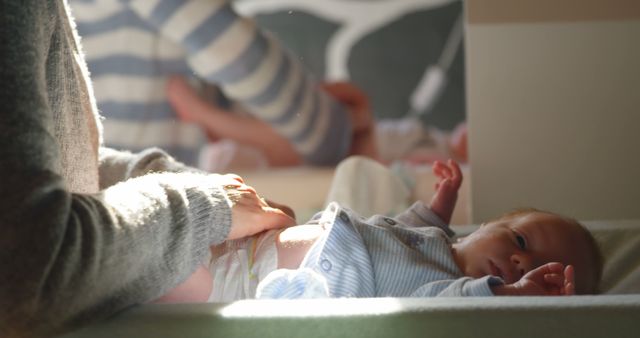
608 315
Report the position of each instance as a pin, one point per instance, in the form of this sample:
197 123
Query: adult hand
362 121
252 214
286 209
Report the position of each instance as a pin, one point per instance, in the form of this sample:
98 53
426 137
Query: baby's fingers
438 169
555 279
441 170
455 172
569 289
569 280
553 267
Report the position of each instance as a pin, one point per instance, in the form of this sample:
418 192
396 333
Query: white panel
554 118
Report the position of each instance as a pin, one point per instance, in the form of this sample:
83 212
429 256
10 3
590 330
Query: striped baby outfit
406 256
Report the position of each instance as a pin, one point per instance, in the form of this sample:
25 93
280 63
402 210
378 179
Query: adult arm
71 258
117 166
254 69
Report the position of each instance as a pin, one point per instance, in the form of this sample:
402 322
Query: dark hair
595 259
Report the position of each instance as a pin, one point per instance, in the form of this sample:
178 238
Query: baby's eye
521 242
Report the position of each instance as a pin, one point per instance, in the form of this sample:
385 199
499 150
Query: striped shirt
406 256
132 46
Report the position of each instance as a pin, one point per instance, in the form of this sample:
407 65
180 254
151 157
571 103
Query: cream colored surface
608 315
553 113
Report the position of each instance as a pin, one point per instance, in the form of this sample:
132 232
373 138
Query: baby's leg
196 289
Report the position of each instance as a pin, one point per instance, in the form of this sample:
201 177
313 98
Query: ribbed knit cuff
481 287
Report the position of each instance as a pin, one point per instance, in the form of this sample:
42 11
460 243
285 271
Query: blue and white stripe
132 46
378 257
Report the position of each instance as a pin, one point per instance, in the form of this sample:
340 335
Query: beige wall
560 94
563 11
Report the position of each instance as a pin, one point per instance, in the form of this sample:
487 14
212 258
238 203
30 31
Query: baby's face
511 247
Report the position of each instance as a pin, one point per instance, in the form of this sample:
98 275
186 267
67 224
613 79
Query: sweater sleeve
118 166
71 258
254 69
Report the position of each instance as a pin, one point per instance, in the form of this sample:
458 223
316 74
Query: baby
340 254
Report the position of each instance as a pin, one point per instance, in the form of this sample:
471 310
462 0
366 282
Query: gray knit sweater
75 246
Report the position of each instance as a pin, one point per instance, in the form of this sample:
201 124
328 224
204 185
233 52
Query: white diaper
238 266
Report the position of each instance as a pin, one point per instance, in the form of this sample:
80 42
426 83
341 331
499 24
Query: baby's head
520 241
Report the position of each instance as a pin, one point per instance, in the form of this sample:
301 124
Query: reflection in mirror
408 58
219 93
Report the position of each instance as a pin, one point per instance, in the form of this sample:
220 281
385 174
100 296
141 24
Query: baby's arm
450 178
551 279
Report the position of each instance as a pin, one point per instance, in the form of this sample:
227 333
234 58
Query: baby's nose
521 263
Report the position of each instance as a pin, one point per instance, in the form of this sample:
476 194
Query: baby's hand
551 279
449 181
